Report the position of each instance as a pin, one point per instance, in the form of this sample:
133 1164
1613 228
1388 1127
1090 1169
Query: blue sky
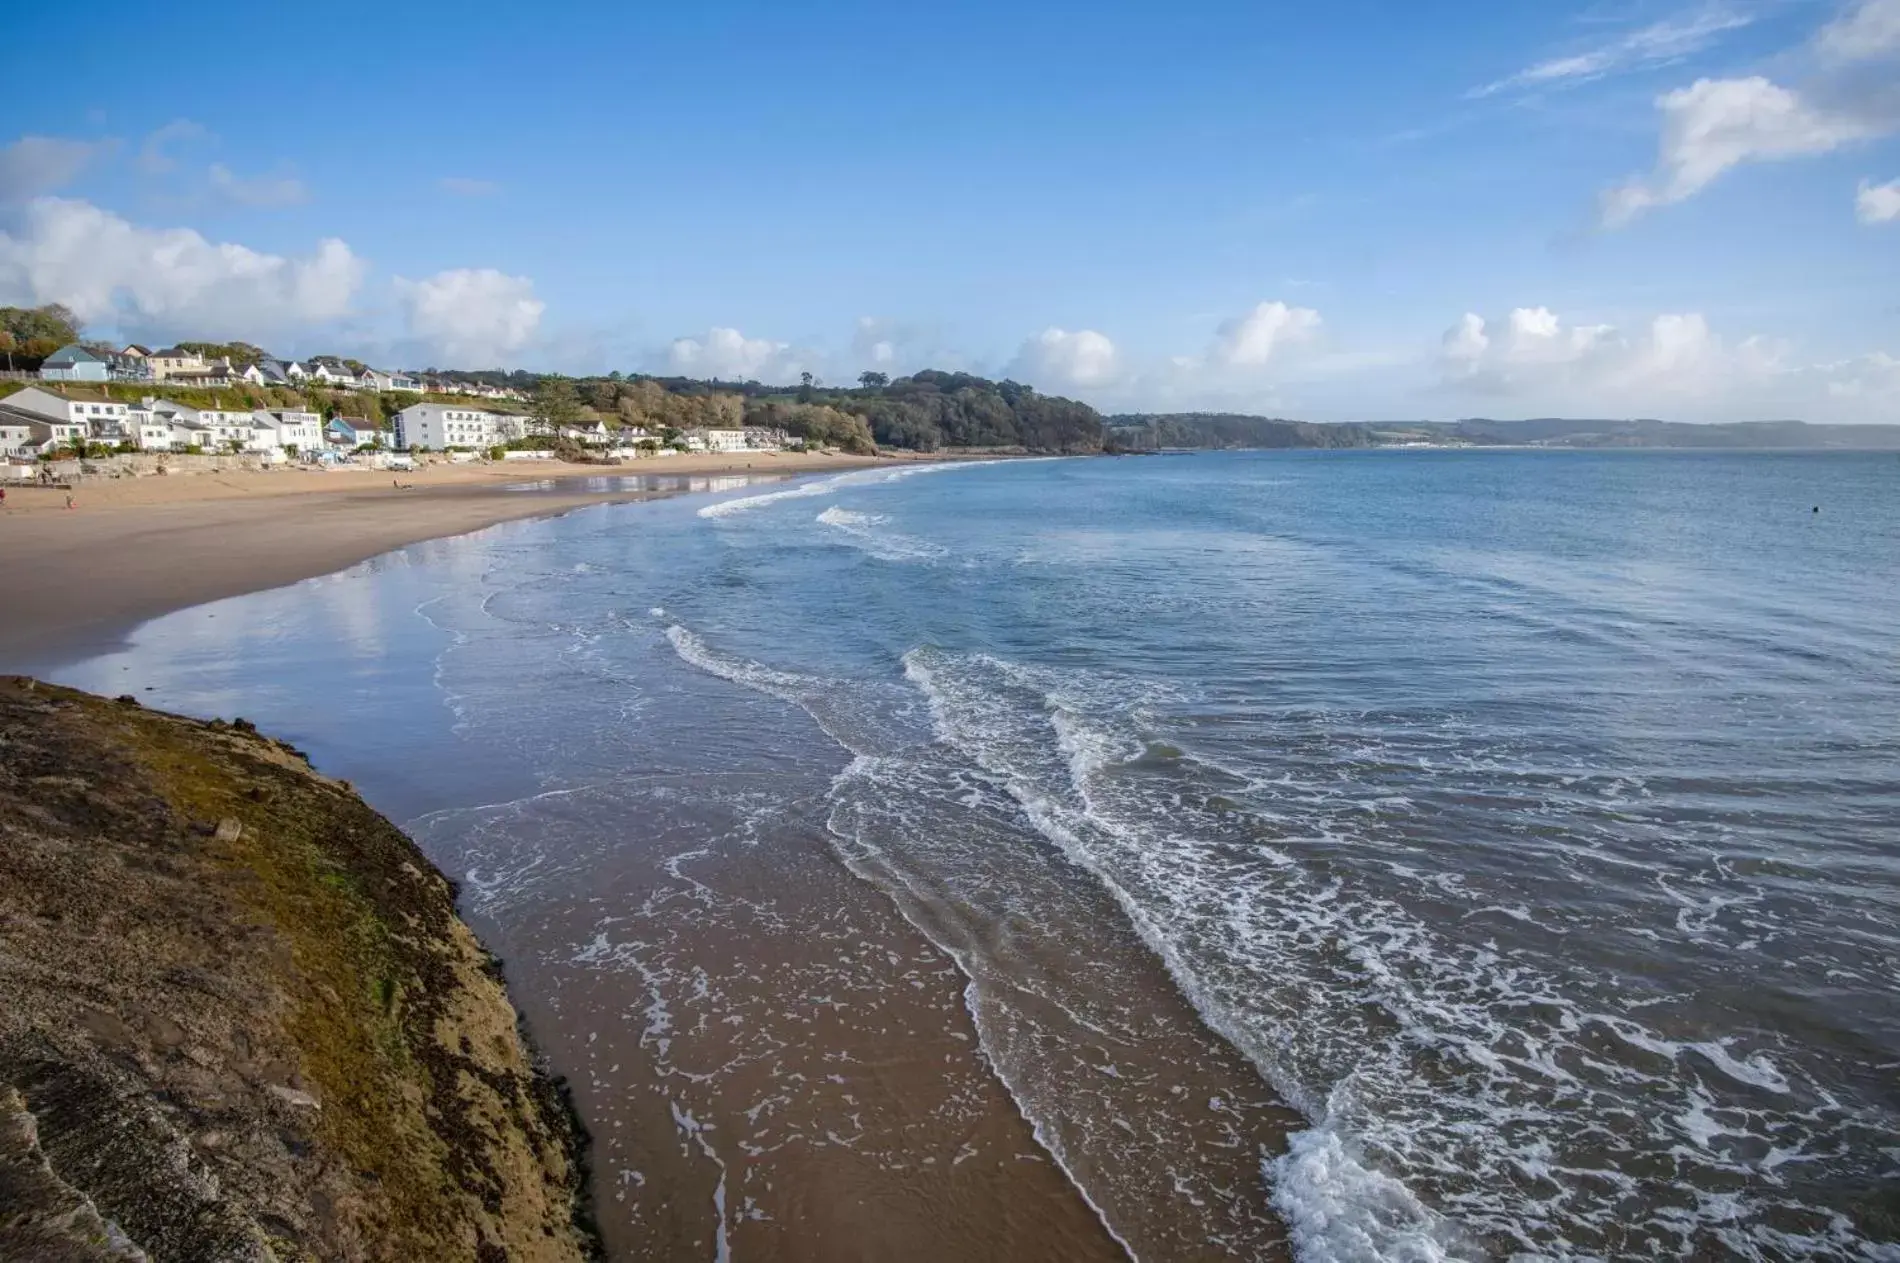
1631 207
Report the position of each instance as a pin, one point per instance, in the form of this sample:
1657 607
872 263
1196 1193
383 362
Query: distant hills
1214 430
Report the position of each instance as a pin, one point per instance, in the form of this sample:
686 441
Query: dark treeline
927 411
1146 433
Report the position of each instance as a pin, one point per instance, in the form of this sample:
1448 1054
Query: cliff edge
240 1019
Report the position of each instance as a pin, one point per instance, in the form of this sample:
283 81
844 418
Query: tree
555 404
874 381
54 321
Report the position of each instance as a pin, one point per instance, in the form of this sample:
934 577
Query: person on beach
69 502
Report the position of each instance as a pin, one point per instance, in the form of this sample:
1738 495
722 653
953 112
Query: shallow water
1528 823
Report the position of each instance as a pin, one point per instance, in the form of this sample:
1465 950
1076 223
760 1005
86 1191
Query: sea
1404 855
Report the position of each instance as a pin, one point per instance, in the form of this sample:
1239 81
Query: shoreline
135 549
996 1187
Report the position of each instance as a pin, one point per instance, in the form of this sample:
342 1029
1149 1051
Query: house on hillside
131 363
333 373
272 373
214 373
74 363
174 362
376 379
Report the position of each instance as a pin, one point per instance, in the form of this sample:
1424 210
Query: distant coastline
1201 431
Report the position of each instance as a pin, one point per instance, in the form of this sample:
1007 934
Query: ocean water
1519 832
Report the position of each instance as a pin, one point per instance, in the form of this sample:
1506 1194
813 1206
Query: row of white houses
35 422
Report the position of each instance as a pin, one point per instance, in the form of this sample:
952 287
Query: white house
716 440
376 379
335 375
16 433
147 431
96 415
595 433
286 429
439 426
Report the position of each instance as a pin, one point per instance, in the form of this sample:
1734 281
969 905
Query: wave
1461 1102
798 491
864 532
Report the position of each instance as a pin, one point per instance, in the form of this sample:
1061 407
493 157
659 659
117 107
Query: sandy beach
131 549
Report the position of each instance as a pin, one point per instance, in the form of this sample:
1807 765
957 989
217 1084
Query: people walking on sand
69 503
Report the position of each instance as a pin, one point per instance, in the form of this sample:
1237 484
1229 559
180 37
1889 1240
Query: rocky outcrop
240 1019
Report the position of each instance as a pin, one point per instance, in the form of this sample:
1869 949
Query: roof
73 353
51 396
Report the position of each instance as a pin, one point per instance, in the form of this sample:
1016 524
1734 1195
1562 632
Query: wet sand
771 1061
135 548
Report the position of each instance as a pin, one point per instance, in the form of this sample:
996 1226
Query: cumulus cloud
1878 203
279 190
1716 124
471 316
465 186
1657 44
1251 341
168 282
1057 359
731 356
1869 377
1852 94
1535 353
33 165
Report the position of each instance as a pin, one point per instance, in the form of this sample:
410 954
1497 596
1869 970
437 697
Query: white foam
1338 1210
798 491
865 531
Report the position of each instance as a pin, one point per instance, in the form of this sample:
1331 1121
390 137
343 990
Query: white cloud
155 156
471 317
465 186
168 282
1057 359
1875 376
731 356
1716 124
33 165
1676 358
279 190
1878 203
1250 341
1867 31
1654 45
1852 94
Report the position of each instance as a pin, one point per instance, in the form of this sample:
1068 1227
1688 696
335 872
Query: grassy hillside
239 1017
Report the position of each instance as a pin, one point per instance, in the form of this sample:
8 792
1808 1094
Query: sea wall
240 1018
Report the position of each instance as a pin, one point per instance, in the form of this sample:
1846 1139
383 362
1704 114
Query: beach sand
833 1039
71 581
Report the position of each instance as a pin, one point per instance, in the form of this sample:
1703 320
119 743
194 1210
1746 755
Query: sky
1347 211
